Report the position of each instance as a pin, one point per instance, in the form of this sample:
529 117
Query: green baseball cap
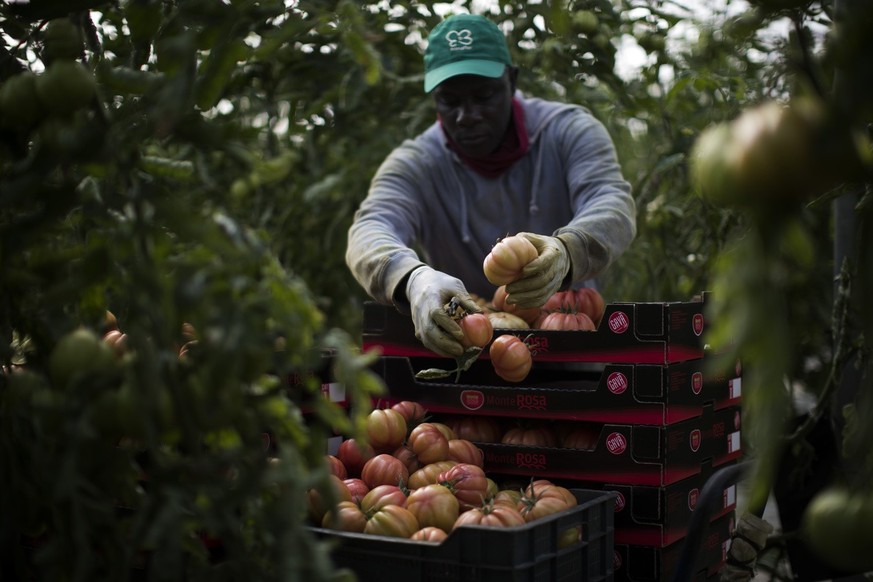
464 44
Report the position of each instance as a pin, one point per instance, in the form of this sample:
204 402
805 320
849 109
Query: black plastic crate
482 554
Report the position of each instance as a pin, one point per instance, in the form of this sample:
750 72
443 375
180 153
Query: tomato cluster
417 478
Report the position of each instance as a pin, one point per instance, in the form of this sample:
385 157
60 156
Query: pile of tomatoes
416 479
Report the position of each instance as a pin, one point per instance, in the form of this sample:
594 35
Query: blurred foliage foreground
192 167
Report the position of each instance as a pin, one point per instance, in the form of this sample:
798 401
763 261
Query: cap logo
459 40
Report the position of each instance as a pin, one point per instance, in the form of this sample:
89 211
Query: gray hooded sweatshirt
425 206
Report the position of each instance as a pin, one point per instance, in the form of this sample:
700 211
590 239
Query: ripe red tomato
479 429
564 321
429 474
491 515
507 258
463 451
384 470
386 429
530 436
429 534
434 505
382 495
413 413
468 483
336 467
317 502
393 521
477 330
357 488
354 454
583 437
346 517
408 457
510 357
499 302
428 443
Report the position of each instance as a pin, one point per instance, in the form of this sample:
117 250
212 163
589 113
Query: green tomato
65 87
62 41
79 354
19 106
586 22
838 528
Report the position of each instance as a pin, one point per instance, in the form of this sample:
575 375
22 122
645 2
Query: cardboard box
636 333
652 564
656 394
630 454
660 516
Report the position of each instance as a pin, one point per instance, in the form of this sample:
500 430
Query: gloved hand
544 275
428 291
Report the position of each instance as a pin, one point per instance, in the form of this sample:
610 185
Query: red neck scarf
511 149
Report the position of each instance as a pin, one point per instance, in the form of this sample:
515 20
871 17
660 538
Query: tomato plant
510 357
434 505
507 258
383 469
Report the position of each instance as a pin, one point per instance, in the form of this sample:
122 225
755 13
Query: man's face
475 110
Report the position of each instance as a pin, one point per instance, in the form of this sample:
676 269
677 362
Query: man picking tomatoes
495 163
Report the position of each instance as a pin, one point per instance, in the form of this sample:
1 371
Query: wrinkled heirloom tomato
477 330
510 357
567 322
507 259
491 515
434 505
392 520
386 429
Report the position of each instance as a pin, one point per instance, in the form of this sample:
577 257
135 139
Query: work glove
428 291
544 275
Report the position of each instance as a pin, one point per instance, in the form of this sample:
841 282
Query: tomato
585 300
590 302
429 474
507 259
509 497
838 527
317 503
510 357
117 340
491 515
384 469
532 436
463 451
434 505
491 490
428 443
19 106
66 86
393 521
477 330
586 22
505 320
386 429
583 437
468 483
446 430
533 508
408 457
413 413
354 454
382 495
79 354
499 302
357 488
566 321
62 40
479 429
429 534
336 467
347 516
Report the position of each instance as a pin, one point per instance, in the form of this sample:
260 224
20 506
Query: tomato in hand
507 259
510 357
477 330
500 303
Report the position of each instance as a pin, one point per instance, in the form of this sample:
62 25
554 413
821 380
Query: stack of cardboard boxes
662 419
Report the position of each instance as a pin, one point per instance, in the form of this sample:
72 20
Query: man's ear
513 76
